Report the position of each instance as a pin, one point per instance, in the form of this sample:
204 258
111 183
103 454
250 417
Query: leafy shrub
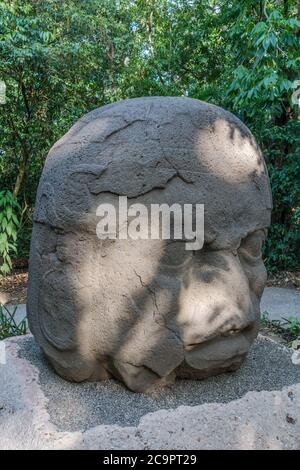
9 223
62 59
9 325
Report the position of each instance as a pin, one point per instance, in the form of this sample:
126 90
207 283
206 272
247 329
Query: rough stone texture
39 410
144 311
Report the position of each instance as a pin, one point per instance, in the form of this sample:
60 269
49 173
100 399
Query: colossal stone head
146 311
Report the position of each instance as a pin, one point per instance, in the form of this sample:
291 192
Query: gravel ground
268 367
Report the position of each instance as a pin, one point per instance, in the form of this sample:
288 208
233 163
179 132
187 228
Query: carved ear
57 317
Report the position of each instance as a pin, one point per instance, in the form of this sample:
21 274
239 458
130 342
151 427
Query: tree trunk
20 177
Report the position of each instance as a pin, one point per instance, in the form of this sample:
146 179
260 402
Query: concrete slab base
18 311
280 303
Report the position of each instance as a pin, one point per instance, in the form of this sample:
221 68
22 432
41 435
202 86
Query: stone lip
257 407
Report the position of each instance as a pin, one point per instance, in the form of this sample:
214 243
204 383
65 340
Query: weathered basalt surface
144 311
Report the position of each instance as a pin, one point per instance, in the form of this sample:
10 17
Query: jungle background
61 59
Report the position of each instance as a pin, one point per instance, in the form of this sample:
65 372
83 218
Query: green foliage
60 60
8 324
9 223
293 324
265 43
287 328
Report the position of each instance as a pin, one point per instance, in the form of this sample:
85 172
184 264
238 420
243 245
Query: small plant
293 325
8 325
9 224
288 329
265 319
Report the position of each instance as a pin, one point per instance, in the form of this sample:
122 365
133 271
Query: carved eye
175 254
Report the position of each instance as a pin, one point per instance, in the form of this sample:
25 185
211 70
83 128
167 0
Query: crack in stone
178 172
139 366
115 131
153 295
136 193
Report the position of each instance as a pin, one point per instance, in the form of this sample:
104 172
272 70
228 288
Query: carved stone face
146 311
